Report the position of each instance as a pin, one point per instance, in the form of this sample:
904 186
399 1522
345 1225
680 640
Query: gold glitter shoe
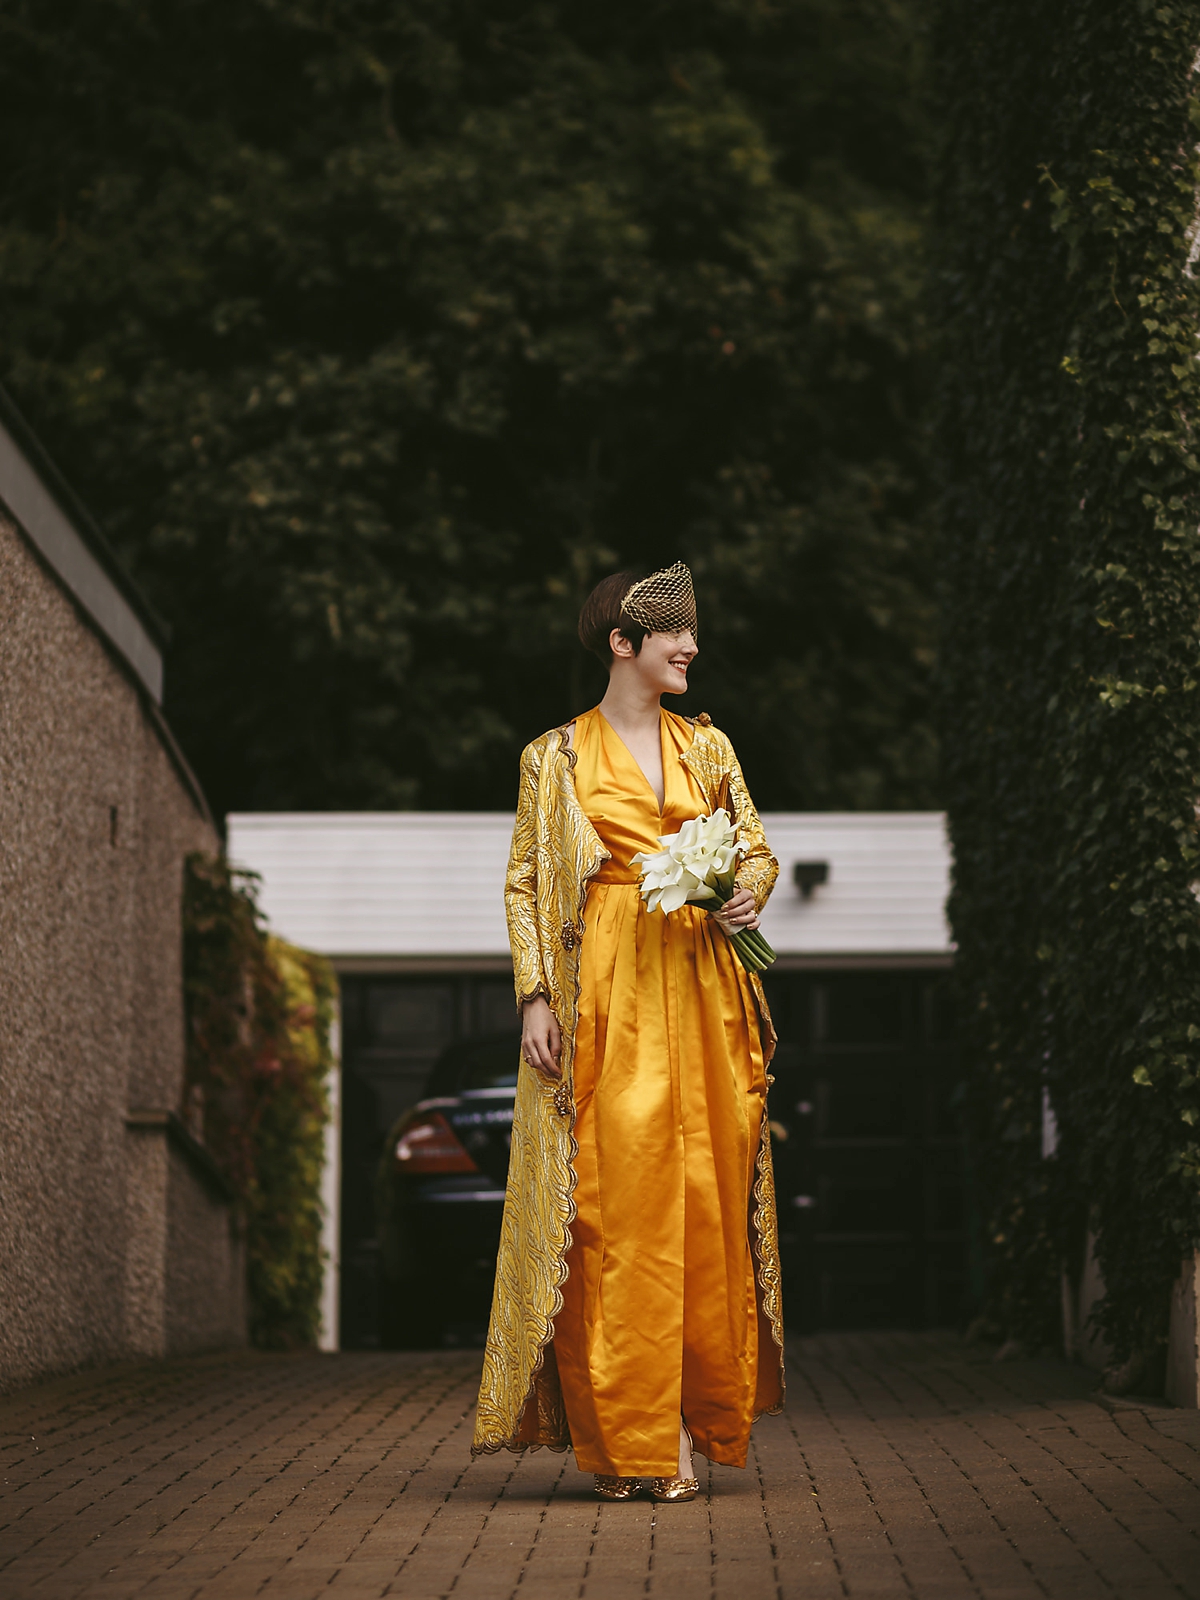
617 1488
666 1491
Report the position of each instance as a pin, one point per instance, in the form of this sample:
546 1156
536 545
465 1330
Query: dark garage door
868 1150
867 1147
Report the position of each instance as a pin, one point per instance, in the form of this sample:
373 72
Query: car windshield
488 1061
494 1077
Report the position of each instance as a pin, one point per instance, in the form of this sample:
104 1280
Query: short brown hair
602 613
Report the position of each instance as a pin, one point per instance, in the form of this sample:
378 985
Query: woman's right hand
541 1041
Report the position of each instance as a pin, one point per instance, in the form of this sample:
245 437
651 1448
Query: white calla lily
695 865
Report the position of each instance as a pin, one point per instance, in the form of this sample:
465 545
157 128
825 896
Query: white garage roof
405 888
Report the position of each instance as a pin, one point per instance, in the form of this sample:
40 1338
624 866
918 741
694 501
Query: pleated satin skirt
659 1314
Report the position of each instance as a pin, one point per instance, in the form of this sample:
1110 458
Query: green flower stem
755 954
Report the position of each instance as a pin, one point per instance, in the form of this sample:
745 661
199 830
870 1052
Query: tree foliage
376 333
259 1013
1068 304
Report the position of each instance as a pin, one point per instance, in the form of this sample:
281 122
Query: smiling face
661 665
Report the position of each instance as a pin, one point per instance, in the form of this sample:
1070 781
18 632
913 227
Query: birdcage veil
665 602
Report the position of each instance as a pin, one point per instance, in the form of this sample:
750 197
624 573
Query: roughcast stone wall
95 820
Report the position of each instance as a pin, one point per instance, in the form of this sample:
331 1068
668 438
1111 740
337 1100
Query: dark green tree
375 333
1071 654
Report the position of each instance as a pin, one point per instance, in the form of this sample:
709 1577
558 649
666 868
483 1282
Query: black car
440 1194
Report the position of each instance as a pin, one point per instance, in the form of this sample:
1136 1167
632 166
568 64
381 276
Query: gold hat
665 602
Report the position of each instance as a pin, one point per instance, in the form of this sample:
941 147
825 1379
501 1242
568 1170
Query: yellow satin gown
659 1313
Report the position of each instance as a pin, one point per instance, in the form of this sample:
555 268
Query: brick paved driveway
905 1466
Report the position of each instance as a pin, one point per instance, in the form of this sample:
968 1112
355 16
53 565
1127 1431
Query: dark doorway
868 1150
392 1030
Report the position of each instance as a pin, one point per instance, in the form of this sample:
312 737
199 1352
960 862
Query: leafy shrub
259 1013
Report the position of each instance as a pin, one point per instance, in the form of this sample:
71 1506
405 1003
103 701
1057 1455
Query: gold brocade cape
555 854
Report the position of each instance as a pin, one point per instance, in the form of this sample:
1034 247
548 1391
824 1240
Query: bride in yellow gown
655 1322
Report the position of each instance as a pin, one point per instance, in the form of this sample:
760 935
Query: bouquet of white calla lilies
697 865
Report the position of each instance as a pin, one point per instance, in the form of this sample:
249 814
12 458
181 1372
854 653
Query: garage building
408 907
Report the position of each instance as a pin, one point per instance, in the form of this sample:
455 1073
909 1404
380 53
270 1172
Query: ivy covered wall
1067 312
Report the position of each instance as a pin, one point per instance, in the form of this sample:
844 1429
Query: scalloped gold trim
769 1276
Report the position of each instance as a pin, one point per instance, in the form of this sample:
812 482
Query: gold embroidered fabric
555 854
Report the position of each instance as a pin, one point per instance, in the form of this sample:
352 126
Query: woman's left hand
738 914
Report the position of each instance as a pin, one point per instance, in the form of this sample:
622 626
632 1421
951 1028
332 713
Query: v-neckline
662 756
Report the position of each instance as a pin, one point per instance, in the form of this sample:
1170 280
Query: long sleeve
759 868
520 886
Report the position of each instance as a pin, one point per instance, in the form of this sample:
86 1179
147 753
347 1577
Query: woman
636 1307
